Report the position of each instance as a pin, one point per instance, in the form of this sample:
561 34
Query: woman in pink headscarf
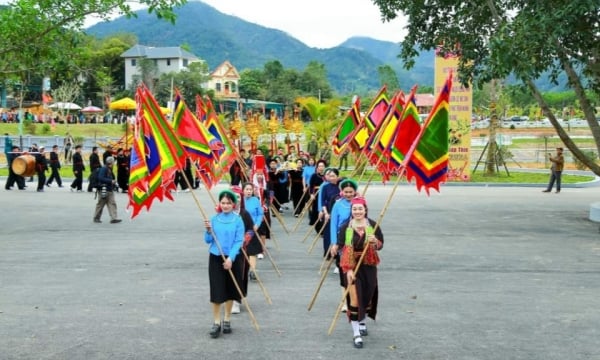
358 235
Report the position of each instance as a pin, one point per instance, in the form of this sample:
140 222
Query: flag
155 155
376 148
378 109
222 148
200 108
406 133
374 116
428 163
344 133
171 151
380 137
191 133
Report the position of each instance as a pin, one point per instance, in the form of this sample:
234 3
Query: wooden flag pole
314 242
218 244
304 211
276 213
321 281
260 283
271 232
362 256
264 246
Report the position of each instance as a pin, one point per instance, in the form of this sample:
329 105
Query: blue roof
158 53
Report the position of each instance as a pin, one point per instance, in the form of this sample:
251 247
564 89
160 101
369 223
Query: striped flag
428 164
346 130
156 155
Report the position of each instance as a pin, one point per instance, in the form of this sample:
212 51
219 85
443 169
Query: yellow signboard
461 104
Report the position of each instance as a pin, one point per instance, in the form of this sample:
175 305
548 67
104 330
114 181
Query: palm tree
324 116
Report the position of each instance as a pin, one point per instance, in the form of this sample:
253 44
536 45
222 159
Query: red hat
359 200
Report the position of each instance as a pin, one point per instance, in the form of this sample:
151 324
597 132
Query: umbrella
165 110
123 104
91 109
65 106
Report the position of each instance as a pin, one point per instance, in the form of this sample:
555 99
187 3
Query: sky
317 23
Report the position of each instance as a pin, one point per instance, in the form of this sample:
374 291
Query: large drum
24 165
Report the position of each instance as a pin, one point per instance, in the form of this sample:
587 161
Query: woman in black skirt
313 188
360 234
225 236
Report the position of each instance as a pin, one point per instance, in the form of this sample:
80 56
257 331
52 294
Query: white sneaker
336 270
260 256
344 307
235 309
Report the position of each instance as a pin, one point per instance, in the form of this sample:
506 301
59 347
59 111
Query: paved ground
471 273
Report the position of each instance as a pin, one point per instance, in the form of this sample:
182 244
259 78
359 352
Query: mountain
215 37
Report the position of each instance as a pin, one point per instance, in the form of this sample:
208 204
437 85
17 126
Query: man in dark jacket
106 196
13 178
94 165
78 169
41 166
54 167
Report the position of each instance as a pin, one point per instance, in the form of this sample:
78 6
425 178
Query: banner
461 105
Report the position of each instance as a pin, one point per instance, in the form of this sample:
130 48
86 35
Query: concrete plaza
471 273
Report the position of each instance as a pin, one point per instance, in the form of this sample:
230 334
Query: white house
224 81
167 59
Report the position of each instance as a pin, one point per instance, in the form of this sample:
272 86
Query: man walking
54 167
41 166
106 196
558 163
78 169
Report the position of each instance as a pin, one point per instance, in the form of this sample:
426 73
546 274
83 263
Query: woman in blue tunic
253 206
340 214
225 236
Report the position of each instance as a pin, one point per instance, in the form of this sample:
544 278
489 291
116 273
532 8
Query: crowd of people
264 187
261 189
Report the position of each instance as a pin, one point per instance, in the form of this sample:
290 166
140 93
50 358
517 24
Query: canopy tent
65 106
91 109
123 104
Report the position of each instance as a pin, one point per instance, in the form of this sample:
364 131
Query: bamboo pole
321 281
362 256
276 213
260 283
271 232
314 242
304 211
264 246
218 244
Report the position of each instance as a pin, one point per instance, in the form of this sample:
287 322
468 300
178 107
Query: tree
188 81
388 77
250 85
526 39
148 74
324 116
36 33
66 93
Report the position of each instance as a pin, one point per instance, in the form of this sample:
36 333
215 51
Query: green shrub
46 129
589 154
29 126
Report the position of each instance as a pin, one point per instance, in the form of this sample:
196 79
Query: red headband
359 200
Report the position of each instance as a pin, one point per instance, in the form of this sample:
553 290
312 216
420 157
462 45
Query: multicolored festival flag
191 133
347 128
428 162
375 115
223 150
156 155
